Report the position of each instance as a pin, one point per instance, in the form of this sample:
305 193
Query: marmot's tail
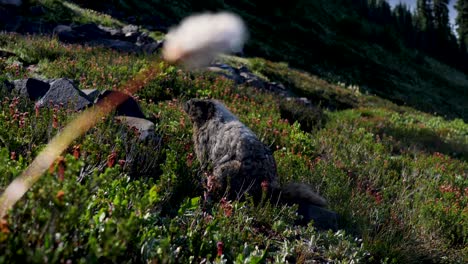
301 193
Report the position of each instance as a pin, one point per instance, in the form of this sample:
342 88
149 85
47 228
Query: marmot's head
200 110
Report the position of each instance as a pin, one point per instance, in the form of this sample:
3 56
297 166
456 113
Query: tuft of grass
84 15
57 11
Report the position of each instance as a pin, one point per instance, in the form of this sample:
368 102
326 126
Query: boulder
300 100
323 218
86 32
277 86
114 32
227 72
151 47
143 39
31 88
128 39
144 127
224 67
129 107
243 75
131 33
119 45
91 93
129 30
63 91
253 80
66 34
90 31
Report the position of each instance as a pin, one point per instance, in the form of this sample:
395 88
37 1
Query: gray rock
151 47
90 31
63 91
86 32
91 93
243 75
119 45
143 39
227 71
279 86
223 67
215 68
115 32
324 219
304 101
66 33
31 88
128 39
253 80
131 33
129 29
129 106
145 127
300 100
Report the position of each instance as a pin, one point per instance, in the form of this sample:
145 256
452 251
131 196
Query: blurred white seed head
199 38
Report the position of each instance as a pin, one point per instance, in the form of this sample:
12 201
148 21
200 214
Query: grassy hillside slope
329 39
397 176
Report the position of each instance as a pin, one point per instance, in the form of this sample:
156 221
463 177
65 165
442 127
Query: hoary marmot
239 162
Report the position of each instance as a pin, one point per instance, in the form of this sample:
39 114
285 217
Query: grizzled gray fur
240 163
